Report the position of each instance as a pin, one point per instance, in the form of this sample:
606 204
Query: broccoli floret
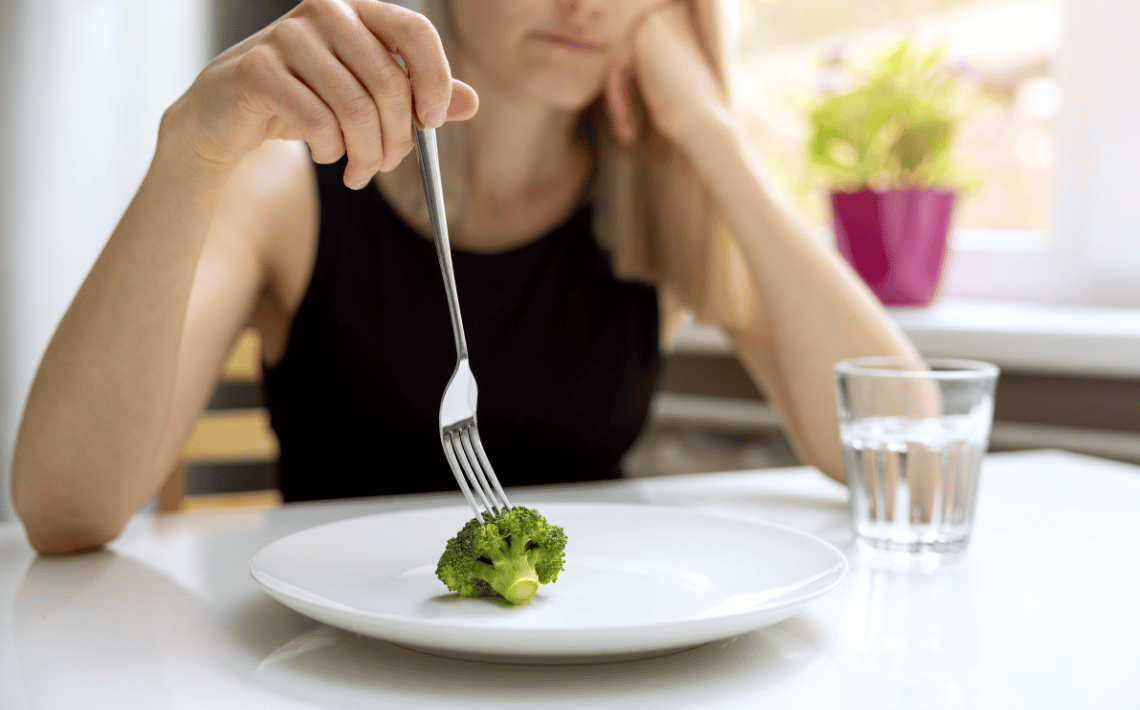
506 555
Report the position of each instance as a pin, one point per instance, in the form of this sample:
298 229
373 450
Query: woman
602 117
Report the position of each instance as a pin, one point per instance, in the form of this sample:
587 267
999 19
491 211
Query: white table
1044 612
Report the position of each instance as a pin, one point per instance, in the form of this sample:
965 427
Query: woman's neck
526 167
516 142
526 171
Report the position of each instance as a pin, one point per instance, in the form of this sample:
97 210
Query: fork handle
433 190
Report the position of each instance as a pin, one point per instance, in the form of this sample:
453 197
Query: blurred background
1044 272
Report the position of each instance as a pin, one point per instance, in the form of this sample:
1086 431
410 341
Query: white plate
638 580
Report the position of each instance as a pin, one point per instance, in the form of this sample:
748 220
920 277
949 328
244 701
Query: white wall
84 83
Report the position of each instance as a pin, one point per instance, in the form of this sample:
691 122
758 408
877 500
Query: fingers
620 82
619 102
266 86
657 7
327 72
357 111
373 97
413 37
386 85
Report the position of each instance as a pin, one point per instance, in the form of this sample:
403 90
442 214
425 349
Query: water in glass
913 481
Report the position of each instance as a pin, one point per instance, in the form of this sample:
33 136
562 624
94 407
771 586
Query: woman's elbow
54 527
825 454
51 538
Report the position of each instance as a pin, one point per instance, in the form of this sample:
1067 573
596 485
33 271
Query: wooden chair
228 436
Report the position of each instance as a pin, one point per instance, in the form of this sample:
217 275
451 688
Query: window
1052 138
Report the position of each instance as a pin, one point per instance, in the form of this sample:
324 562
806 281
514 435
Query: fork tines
468 461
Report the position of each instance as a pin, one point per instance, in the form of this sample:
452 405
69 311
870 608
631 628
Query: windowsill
1021 337
1009 241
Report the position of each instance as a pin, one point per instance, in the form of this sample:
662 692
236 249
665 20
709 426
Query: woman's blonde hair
652 212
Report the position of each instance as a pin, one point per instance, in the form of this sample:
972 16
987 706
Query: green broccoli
507 555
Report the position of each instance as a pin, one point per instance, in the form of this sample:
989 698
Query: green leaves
895 129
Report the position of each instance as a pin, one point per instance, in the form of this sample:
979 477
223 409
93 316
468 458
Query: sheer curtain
83 87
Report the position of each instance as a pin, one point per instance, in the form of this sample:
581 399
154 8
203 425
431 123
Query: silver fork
458 428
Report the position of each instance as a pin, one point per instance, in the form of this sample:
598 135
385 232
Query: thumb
464 102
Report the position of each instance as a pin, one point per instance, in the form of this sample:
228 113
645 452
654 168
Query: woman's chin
567 95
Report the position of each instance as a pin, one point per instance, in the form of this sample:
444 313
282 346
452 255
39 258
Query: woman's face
558 51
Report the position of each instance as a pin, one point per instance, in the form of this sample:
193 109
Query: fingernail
359 183
436 117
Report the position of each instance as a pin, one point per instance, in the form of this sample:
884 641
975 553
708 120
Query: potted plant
884 146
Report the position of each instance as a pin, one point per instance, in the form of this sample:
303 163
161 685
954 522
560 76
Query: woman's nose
583 8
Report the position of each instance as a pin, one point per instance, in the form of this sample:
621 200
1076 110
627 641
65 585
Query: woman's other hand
325 73
664 59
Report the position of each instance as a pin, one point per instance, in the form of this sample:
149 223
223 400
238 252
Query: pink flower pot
895 240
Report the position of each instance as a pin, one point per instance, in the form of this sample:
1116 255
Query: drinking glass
913 440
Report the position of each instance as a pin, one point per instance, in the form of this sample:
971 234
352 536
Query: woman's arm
138 351
815 310
103 395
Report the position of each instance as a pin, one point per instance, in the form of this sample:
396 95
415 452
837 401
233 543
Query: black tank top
565 356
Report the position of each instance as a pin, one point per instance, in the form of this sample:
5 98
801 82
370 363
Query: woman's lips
571 43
